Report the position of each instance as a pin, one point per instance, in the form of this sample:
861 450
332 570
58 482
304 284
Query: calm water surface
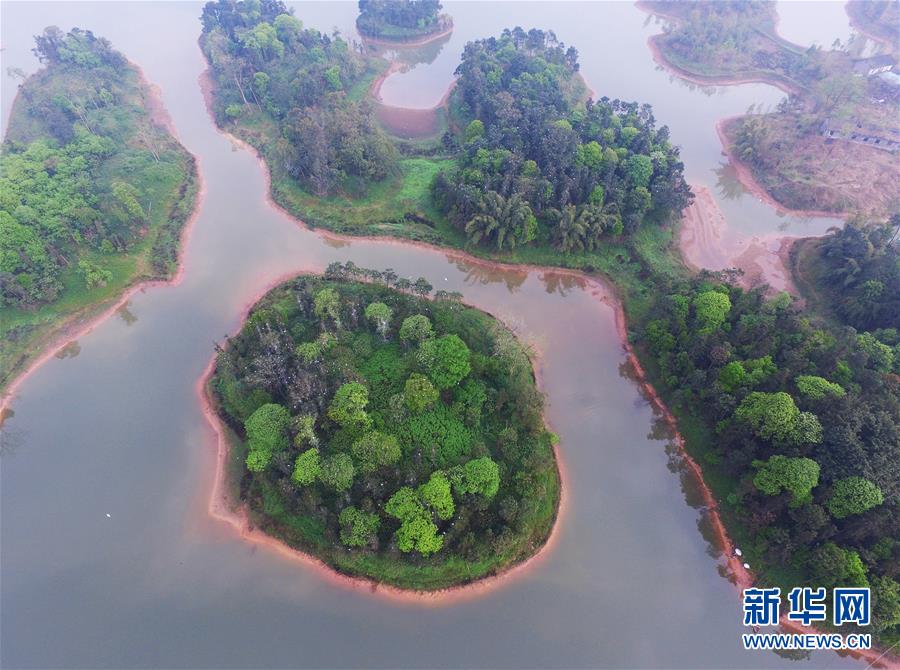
115 427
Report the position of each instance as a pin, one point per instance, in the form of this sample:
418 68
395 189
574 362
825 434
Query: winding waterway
115 426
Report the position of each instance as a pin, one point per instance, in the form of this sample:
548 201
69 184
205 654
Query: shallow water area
109 558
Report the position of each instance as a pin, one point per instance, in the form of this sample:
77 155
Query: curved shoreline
405 44
743 172
875 657
602 289
235 513
696 78
749 182
82 322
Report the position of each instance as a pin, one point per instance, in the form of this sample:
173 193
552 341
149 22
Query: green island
94 192
401 20
793 414
832 144
393 437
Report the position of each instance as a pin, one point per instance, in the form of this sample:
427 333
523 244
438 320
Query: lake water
116 428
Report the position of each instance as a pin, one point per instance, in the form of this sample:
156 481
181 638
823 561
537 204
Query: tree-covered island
94 191
401 20
394 437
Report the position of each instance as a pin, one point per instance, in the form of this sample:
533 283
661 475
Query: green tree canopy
374 450
818 387
711 309
474 131
436 494
446 359
327 305
775 416
479 476
337 471
885 603
419 533
266 431
307 467
358 528
380 315
797 475
416 328
419 393
831 565
348 406
853 495
640 169
404 504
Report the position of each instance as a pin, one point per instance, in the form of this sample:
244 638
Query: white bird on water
108 515
737 552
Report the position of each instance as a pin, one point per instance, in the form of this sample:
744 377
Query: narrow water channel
115 427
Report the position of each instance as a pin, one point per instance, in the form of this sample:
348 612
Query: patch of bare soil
705 244
828 175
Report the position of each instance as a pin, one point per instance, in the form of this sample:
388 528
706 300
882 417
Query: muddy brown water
114 427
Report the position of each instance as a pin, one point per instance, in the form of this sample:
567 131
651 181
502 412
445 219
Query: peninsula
95 192
832 146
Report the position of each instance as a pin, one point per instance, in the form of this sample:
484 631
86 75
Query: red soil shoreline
417 123
76 325
762 258
603 290
743 576
749 182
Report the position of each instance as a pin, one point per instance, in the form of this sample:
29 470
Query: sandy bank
749 182
705 244
407 122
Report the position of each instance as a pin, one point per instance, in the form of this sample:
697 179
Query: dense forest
64 187
860 275
531 159
400 19
93 191
268 69
539 163
395 437
801 421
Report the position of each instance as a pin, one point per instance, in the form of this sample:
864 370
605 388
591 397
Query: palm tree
501 220
572 230
601 220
